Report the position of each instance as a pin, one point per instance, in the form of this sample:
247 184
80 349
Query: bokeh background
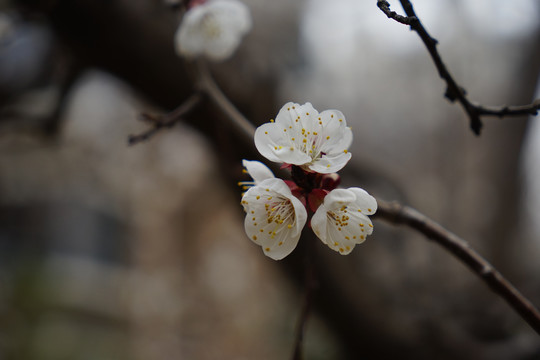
110 251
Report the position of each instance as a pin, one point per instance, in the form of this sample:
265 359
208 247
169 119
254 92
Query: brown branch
311 284
454 92
301 325
165 121
385 8
398 214
206 84
502 111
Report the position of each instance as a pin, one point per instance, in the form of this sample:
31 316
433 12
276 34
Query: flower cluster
212 28
314 146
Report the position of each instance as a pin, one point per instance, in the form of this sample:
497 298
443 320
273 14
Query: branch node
159 122
476 124
385 8
486 271
454 92
399 214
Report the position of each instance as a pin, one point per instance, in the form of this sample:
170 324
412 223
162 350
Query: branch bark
454 92
206 84
399 214
160 122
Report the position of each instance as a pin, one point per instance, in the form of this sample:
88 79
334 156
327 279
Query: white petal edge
364 201
257 170
285 240
318 223
338 197
340 223
231 17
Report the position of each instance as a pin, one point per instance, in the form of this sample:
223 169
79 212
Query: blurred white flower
274 217
301 136
213 29
341 220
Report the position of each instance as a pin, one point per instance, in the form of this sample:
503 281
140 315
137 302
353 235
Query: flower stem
311 285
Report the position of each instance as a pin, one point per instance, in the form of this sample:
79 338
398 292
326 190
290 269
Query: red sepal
296 191
285 166
330 181
316 197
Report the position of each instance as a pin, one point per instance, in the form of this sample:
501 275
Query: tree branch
454 92
311 284
385 8
206 84
165 121
399 214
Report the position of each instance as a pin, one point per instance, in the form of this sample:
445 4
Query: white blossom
301 136
341 220
274 217
257 170
213 29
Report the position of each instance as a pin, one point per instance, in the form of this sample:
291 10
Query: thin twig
385 8
165 121
311 285
301 327
454 92
206 84
398 214
502 111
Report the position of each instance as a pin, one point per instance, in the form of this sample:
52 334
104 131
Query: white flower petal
291 112
214 29
338 197
274 144
281 247
257 170
234 14
318 223
364 201
274 217
328 164
301 136
340 140
221 48
265 143
340 223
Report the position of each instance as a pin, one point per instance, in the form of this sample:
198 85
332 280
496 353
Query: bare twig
206 84
311 285
454 92
398 214
502 111
301 326
385 8
165 121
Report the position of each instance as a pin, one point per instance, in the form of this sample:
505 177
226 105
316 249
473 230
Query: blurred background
110 251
